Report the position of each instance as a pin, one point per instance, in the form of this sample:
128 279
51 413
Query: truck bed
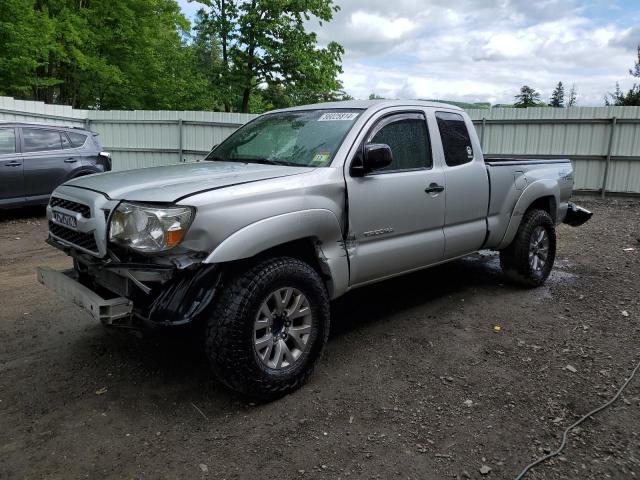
509 178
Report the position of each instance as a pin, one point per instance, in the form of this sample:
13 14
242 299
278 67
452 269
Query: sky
481 50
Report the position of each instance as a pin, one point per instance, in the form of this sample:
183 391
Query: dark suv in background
35 159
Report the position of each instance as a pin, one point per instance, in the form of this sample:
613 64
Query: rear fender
534 191
319 224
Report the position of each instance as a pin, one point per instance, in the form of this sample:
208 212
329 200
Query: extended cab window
407 136
305 138
7 140
37 140
455 138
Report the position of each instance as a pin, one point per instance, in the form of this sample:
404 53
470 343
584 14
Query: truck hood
173 182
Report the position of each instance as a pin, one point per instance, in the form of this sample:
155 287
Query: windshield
306 138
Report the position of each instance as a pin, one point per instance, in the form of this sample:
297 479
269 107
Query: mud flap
576 215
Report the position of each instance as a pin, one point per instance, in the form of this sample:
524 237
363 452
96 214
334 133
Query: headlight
146 228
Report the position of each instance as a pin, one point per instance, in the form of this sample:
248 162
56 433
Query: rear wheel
529 259
268 328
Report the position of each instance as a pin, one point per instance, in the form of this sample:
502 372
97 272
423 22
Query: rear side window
455 138
65 141
408 139
77 139
39 140
7 140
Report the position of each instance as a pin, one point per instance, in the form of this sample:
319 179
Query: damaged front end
576 215
133 294
127 272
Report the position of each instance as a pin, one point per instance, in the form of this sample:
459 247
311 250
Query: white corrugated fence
602 142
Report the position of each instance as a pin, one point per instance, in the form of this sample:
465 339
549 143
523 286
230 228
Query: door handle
13 164
70 160
434 188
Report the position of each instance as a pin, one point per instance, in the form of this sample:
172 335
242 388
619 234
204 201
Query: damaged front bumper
117 295
113 311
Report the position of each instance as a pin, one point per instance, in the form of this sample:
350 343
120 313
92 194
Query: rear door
46 162
11 175
467 192
395 223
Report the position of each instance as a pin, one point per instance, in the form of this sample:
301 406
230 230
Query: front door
396 214
11 177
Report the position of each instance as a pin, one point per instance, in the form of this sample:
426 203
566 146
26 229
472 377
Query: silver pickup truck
294 209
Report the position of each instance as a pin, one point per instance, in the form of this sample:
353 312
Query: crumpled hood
172 182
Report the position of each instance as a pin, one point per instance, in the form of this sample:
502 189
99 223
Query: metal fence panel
600 141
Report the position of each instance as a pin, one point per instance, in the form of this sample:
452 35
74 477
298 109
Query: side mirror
374 156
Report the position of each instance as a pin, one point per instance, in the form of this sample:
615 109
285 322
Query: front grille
83 240
83 210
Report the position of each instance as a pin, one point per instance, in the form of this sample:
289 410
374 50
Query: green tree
557 97
631 97
527 97
573 96
265 50
24 49
99 54
635 71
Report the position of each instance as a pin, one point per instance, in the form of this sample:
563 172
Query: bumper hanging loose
114 311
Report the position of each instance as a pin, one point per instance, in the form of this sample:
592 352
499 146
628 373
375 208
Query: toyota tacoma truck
294 209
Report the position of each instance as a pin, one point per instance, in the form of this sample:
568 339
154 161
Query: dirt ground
415 383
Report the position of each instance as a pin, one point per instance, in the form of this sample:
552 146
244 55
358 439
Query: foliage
573 96
527 97
265 52
137 54
557 97
632 96
96 54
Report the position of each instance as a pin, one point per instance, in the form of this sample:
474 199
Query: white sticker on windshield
331 117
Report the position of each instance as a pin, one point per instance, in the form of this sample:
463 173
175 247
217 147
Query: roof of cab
371 104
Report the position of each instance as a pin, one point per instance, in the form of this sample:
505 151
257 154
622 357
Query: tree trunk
246 94
225 55
251 48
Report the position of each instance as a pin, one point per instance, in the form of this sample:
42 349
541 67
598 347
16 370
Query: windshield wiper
266 161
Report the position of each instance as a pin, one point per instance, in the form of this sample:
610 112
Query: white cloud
480 50
374 26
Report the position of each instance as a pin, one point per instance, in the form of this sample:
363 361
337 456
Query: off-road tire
229 336
514 259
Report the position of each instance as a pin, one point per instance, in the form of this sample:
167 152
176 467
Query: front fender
534 191
320 224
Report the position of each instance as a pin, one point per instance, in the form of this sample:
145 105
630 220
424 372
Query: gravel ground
415 384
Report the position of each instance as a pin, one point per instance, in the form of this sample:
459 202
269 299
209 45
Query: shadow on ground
177 354
24 213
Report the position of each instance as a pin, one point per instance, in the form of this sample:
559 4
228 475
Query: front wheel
268 328
528 260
